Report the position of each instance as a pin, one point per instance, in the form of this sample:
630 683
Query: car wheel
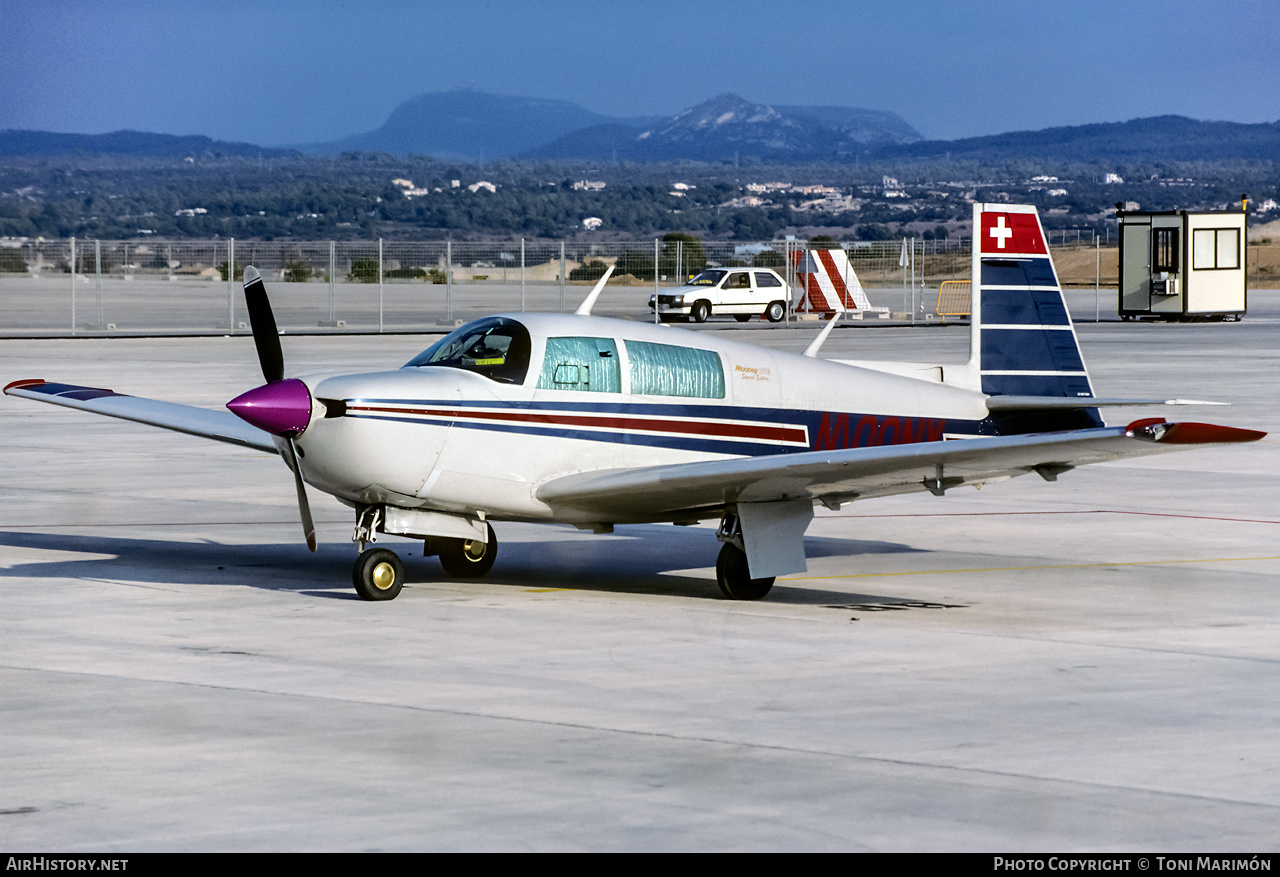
775 312
701 310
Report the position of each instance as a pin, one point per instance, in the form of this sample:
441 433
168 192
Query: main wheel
775 312
700 311
742 318
735 579
378 574
468 558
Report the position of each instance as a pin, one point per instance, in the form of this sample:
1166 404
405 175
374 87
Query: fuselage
597 394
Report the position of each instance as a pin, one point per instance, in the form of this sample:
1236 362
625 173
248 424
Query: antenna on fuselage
584 309
812 349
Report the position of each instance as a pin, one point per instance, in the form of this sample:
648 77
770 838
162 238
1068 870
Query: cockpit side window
584 364
496 347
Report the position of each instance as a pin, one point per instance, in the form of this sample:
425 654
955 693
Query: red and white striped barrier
830 282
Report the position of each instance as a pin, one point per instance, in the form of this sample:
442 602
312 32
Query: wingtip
22 384
251 275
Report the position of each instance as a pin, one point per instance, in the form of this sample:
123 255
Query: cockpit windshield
495 347
710 277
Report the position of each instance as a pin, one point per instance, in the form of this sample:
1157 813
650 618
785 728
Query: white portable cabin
1182 264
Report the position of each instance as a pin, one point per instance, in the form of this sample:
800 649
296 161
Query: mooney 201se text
595 422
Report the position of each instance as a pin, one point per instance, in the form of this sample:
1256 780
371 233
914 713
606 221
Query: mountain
137 143
469 125
728 126
1158 138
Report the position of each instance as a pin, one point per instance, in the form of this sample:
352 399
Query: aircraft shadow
639 559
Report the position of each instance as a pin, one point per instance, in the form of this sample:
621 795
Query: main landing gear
732 573
379 574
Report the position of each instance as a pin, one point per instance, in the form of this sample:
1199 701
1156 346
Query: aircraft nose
280 407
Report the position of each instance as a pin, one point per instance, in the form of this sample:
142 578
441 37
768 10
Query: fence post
379 286
522 275
231 281
562 277
1097 278
655 281
97 270
448 280
73 286
333 316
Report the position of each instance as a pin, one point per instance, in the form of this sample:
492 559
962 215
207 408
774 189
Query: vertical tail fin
1022 342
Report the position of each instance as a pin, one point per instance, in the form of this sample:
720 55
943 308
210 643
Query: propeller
281 407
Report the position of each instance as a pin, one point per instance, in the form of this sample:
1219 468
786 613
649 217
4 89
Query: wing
222 426
658 493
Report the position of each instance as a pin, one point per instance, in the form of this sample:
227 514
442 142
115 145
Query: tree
682 256
592 270
364 271
297 272
638 265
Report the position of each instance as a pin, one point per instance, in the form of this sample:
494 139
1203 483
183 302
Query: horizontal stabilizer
222 426
1072 403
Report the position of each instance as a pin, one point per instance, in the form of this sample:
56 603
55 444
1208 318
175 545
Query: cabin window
666 370
497 348
1215 248
584 364
764 279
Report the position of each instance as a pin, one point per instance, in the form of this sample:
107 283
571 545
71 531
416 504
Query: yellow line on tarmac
935 572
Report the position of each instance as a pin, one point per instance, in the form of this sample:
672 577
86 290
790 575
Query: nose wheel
378 574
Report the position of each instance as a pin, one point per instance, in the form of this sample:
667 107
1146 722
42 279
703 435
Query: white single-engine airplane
596 422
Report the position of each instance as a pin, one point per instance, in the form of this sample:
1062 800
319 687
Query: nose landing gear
378 574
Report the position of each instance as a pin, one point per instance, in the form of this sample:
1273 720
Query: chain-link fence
149 285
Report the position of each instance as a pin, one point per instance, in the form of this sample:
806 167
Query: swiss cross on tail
1010 234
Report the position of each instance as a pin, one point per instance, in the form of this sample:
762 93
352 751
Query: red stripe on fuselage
761 432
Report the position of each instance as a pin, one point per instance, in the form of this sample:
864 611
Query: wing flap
656 492
222 426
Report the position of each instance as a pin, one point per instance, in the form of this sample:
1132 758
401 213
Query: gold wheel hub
384 576
473 550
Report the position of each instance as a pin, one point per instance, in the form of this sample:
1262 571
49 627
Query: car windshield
710 277
496 347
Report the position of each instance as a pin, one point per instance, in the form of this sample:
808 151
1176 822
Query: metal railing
192 285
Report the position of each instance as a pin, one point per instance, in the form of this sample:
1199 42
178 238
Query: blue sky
294 72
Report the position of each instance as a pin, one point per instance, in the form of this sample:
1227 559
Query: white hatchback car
741 292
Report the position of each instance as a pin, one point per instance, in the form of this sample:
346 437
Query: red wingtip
1208 433
1155 429
25 382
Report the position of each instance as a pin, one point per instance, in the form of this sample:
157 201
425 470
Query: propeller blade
266 337
304 507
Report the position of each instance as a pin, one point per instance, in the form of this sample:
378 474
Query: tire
700 311
742 318
775 312
468 558
734 578
378 575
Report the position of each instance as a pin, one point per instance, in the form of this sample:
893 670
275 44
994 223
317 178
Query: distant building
482 184
1112 178
591 223
588 185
